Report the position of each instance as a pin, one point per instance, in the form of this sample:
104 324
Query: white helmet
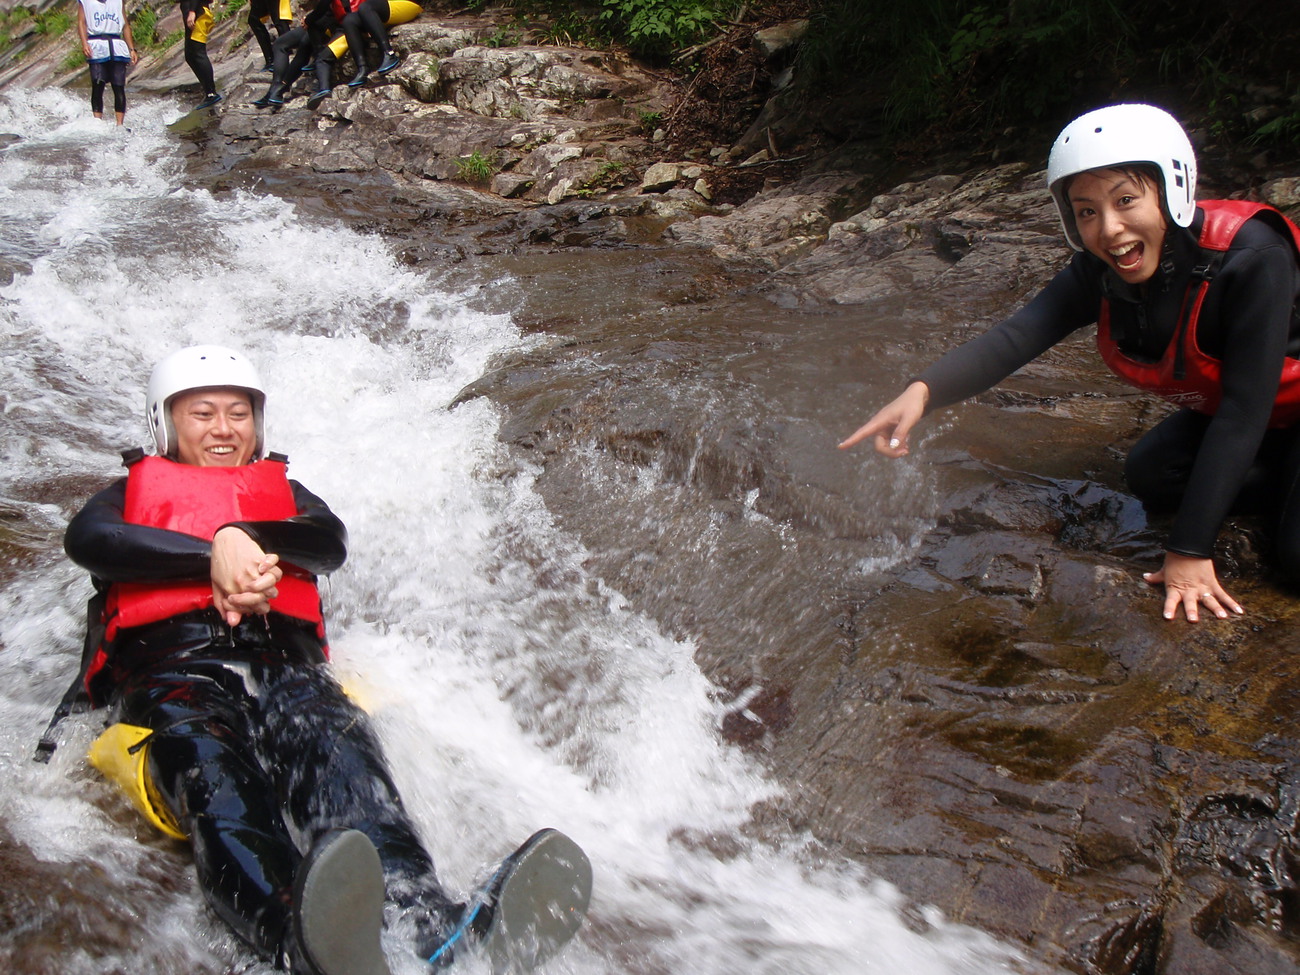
1118 136
200 367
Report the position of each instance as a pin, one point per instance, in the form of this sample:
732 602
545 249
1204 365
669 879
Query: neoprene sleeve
99 540
1248 322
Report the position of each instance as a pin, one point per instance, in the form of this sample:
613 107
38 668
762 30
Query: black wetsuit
196 51
257 9
369 18
308 43
253 742
1249 321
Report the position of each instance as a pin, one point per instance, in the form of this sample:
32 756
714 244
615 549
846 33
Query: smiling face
214 427
1120 220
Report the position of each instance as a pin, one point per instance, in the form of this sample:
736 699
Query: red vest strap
1185 375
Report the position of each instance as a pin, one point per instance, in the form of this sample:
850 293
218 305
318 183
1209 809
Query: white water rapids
512 689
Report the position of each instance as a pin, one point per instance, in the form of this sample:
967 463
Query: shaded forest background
930 75
913 78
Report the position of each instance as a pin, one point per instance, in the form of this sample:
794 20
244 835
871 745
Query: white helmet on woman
200 367
1117 136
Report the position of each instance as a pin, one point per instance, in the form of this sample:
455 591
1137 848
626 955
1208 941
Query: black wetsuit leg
325 61
1285 495
103 74
286 70
1159 466
253 744
196 56
256 11
320 24
330 772
204 766
352 30
374 16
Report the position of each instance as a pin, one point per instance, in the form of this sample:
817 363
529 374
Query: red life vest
344 7
197 501
1185 375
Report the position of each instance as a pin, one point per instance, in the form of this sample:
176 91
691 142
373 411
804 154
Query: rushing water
512 689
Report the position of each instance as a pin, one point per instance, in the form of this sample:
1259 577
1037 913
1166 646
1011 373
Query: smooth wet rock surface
951 661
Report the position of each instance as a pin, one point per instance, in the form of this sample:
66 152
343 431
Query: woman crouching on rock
1196 303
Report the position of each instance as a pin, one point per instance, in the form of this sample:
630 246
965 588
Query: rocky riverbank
996 720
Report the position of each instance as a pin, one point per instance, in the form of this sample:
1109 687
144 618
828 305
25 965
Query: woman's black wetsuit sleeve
101 541
1069 302
1249 328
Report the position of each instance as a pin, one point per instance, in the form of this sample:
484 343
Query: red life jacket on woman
197 501
1185 375
344 7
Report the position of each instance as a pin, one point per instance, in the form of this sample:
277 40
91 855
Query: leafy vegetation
651 28
475 168
227 10
11 22
144 28
980 67
656 27
53 23
506 35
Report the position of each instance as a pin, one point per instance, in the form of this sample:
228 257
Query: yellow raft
399 12
121 755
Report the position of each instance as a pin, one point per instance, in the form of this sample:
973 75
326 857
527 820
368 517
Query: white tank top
106 18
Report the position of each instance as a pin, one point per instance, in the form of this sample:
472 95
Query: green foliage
227 10
53 23
657 27
11 22
144 28
1281 131
947 60
608 176
980 67
475 168
506 35
564 22
75 58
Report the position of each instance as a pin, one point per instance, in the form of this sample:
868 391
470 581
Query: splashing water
512 690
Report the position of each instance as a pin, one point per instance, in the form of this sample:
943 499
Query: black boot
528 910
338 909
274 96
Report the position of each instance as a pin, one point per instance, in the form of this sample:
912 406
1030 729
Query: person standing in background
197 17
264 14
109 48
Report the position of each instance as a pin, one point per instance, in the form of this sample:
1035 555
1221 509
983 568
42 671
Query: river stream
514 686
